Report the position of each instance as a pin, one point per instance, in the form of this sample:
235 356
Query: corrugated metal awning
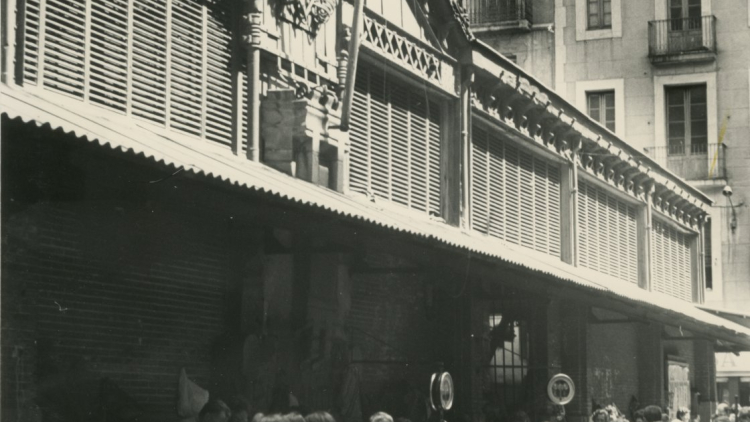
202 158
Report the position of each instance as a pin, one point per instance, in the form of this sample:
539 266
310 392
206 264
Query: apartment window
684 14
601 107
599 14
687 120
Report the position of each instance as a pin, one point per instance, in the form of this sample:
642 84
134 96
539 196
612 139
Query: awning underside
201 158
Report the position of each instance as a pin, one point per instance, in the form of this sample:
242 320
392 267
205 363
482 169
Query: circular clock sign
441 391
561 389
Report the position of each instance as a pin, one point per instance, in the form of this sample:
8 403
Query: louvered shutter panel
186 82
395 137
515 196
607 233
65 46
218 80
480 192
31 23
108 77
149 60
168 62
671 261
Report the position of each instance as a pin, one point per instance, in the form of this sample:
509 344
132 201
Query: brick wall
612 364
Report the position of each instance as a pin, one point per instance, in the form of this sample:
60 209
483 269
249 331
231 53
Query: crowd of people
218 411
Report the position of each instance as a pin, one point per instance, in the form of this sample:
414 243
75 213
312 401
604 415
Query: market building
241 191
670 77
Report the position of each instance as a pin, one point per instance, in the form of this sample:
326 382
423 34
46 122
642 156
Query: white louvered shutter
607 233
150 60
167 62
671 261
515 196
395 138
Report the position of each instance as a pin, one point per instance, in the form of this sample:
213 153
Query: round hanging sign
441 391
561 389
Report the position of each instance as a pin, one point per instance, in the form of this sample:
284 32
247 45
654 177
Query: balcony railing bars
682 35
694 162
484 12
681 149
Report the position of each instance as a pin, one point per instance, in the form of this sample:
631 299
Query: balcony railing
683 39
696 162
503 13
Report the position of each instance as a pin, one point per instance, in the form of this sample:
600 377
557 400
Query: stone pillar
705 378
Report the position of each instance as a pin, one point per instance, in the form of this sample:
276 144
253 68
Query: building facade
671 78
229 192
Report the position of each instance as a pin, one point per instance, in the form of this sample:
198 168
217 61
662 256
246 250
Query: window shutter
218 79
108 77
65 46
168 62
672 269
395 137
607 239
514 195
149 71
31 23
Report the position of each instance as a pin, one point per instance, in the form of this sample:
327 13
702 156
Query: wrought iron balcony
696 162
682 40
500 14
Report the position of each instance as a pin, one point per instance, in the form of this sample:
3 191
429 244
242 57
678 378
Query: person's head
378 417
215 411
600 415
683 414
639 416
652 413
319 417
723 409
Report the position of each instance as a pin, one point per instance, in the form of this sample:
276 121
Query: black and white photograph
375 211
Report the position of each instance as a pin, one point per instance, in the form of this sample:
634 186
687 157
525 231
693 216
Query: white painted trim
660 124
661 12
582 34
617 85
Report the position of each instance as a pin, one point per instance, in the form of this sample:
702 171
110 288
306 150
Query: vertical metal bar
168 67
87 52
253 145
129 69
42 42
204 69
9 40
351 74
238 84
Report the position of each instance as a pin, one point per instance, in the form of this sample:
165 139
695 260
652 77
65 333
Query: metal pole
253 76
351 71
